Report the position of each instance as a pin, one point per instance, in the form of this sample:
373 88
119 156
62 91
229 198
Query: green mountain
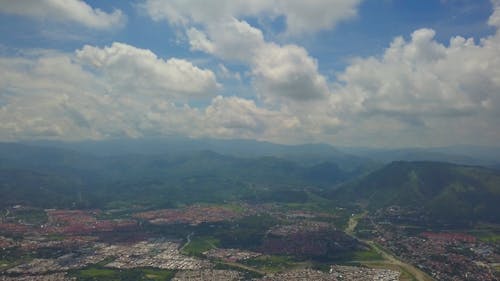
443 190
53 177
37 189
305 154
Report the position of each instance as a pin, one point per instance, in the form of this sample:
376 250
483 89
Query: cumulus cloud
494 19
97 93
76 11
300 16
287 72
418 91
127 69
89 94
422 92
422 78
281 73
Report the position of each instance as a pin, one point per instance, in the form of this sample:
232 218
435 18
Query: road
353 222
188 240
415 272
390 259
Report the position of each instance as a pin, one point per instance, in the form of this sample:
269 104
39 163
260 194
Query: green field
99 273
198 245
489 237
271 263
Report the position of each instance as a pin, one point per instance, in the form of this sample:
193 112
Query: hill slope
53 177
444 190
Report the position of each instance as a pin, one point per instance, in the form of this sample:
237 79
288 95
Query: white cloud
232 40
225 73
422 92
127 69
76 11
494 19
53 95
98 93
284 74
422 77
315 15
235 117
199 41
301 16
417 92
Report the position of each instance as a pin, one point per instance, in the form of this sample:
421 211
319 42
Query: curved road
415 272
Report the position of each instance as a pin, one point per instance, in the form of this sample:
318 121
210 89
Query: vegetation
447 191
271 263
57 178
198 245
93 273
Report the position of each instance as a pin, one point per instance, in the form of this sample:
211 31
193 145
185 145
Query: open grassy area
368 255
271 263
142 274
157 274
97 273
198 245
357 257
4 264
488 236
247 271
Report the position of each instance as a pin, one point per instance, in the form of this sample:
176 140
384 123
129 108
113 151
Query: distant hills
305 154
443 190
466 155
114 174
35 174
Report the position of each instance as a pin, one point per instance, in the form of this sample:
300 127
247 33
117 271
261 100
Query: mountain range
111 174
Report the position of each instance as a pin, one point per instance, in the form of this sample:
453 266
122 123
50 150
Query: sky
372 73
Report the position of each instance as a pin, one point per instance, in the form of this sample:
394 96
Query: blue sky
346 72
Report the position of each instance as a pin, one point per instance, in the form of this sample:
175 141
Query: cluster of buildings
157 254
300 274
15 228
6 243
299 215
300 227
67 222
337 273
449 237
73 222
445 256
61 264
355 273
153 253
192 215
308 239
208 275
47 277
76 237
230 255
33 243
442 259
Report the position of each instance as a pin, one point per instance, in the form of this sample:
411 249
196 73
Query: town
188 244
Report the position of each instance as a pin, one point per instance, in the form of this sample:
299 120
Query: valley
207 216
